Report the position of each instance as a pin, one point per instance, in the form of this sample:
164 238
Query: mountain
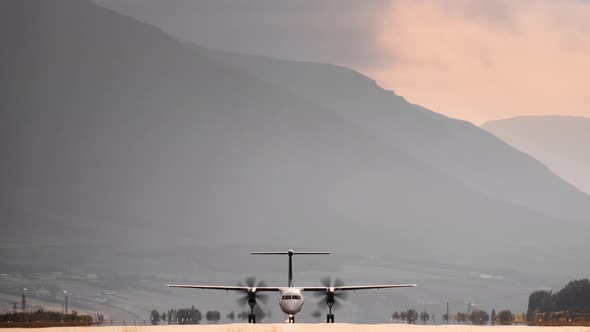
456 148
560 142
121 139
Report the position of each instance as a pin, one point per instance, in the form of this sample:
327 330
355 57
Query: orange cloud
469 61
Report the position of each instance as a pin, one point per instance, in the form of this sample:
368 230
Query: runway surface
310 328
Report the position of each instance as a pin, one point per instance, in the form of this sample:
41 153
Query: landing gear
291 319
330 316
252 316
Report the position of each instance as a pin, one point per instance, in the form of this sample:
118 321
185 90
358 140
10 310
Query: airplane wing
229 288
353 288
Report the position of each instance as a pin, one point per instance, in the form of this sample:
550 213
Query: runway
310 328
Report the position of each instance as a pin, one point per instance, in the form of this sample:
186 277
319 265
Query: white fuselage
291 301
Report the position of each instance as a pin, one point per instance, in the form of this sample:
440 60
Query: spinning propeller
251 296
331 297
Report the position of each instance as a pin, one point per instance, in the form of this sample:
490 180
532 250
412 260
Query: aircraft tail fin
290 253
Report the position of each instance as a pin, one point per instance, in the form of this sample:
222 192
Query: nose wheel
252 315
330 316
291 319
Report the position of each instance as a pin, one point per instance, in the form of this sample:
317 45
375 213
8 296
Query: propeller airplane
291 297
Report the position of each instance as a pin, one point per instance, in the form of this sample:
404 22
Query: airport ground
338 327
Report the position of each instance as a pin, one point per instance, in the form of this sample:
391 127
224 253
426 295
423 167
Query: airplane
291 298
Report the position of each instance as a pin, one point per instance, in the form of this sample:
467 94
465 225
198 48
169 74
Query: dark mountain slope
137 140
457 148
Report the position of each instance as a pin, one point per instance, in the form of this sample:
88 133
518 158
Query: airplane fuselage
291 300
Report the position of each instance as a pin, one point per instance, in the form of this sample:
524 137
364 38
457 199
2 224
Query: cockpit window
296 297
286 297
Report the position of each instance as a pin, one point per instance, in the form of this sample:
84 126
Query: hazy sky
471 59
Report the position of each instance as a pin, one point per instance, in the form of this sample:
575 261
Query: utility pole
448 318
24 300
470 308
66 301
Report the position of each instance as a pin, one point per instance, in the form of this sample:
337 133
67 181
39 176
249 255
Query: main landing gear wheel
331 296
250 296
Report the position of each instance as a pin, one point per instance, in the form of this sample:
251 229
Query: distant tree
243 315
57 318
182 316
195 315
465 318
403 316
412 316
186 316
433 318
170 319
445 318
231 316
479 317
395 316
164 317
505 317
155 317
494 318
212 316
540 301
424 317
575 296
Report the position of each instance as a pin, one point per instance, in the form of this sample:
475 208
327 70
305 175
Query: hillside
115 125
455 148
121 139
560 142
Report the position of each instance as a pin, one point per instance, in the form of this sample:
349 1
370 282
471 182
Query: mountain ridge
389 116
137 133
558 141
